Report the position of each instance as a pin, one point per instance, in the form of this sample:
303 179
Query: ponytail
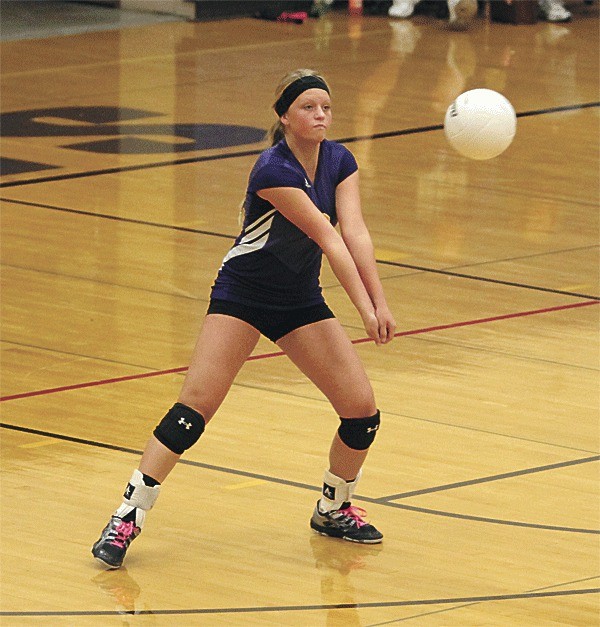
276 133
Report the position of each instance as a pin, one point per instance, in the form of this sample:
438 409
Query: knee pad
359 433
180 428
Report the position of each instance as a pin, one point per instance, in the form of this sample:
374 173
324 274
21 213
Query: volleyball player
269 284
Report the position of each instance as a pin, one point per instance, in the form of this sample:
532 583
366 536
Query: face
309 116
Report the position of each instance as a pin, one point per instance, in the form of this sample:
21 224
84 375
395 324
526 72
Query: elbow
331 244
358 239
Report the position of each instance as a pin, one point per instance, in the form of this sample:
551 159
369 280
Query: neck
307 154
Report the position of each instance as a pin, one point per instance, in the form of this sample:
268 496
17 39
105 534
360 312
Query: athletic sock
149 481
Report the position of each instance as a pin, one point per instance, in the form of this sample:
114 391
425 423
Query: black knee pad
180 428
359 433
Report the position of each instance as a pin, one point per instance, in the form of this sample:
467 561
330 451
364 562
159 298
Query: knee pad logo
181 421
180 428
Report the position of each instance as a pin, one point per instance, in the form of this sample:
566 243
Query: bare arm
358 240
297 207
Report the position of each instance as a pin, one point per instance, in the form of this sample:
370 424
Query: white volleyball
480 124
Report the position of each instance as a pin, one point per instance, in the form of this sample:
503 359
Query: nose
319 112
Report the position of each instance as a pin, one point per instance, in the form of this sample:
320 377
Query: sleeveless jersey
273 264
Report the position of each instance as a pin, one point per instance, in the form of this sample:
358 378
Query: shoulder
275 168
269 156
337 153
340 160
335 149
277 156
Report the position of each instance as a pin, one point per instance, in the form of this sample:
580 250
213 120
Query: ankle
336 491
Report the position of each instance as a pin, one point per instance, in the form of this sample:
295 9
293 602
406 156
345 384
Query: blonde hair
277 131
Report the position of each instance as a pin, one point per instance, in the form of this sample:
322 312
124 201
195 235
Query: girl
269 283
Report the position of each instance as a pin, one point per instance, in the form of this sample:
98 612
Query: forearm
362 252
344 268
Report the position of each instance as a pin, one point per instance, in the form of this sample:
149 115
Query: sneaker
554 11
346 523
402 8
461 13
115 540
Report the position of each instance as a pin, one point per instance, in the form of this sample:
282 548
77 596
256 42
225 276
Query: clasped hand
380 325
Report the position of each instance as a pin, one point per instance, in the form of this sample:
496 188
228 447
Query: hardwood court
120 200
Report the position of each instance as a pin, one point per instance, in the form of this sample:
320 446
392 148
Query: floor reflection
123 589
338 564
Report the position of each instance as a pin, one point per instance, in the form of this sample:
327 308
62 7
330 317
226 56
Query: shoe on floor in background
402 8
320 7
554 11
462 13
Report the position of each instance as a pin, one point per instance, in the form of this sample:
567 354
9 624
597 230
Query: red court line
158 373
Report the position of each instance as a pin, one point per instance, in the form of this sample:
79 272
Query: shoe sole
106 564
339 535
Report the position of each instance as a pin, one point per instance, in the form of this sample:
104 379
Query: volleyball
480 124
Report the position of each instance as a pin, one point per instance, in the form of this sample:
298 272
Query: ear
284 119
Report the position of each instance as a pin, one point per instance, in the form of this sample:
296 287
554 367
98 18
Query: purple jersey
274 264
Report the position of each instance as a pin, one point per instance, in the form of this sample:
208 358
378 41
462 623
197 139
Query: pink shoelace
356 513
124 530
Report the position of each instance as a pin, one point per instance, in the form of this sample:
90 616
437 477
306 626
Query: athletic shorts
272 323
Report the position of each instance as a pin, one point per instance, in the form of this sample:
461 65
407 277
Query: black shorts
272 323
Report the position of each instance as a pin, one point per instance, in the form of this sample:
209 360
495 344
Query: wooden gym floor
125 156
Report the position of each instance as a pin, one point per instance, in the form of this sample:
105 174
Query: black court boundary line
506 475
475 277
323 606
107 216
396 264
482 519
458 607
312 488
257 151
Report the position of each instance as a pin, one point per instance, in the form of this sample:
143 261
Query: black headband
293 90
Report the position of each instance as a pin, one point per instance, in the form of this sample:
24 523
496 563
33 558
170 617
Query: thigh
325 354
223 345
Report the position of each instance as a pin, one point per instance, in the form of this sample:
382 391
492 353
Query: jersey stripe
251 241
258 222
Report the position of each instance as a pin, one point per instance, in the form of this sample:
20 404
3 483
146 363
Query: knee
356 403
359 433
198 401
